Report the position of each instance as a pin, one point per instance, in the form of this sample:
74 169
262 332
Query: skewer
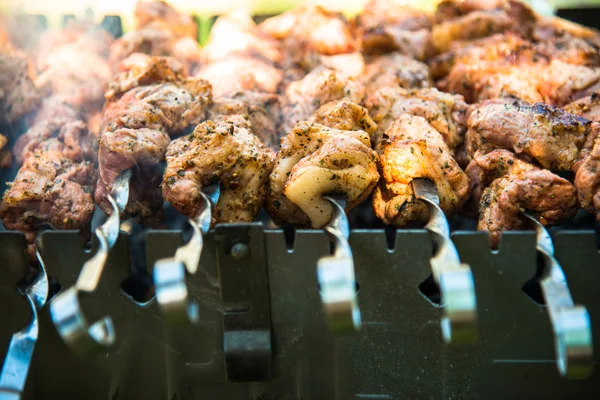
65 310
335 273
170 273
20 351
454 278
570 323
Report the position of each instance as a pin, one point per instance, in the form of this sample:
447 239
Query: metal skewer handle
570 323
172 292
20 351
65 309
337 281
453 278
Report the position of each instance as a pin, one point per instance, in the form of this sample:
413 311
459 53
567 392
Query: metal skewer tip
336 276
169 274
454 279
65 309
570 323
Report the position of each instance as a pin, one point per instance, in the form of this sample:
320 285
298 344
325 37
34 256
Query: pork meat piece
319 87
510 16
587 178
446 113
239 73
345 115
69 137
510 186
226 152
314 161
237 34
77 75
307 31
18 94
546 134
452 9
6 158
49 189
161 16
141 150
140 69
388 25
395 70
587 107
155 42
53 107
412 148
262 109
168 106
549 28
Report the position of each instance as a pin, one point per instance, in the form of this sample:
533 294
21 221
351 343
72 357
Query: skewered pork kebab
242 64
159 30
55 183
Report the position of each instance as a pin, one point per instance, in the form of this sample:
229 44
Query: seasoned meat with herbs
309 31
346 116
235 34
172 106
18 94
314 161
546 134
411 149
161 16
155 42
395 70
510 16
446 113
76 72
587 177
135 132
49 189
388 25
226 152
587 107
262 109
70 137
508 186
319 87
238 73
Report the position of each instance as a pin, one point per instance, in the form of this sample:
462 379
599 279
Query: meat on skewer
224 151
504 186
412 149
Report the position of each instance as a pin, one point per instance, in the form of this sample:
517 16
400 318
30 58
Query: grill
262 332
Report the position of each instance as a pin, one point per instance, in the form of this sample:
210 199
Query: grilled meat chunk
135 133
238 73
226 152
237 34
172 106
395 70
304 97
587 107
70 137
5 153
308 31
388 25
507 186
77 71
155 42
313 161
18 95
412 148
445 112
262 109
587 178
546 134
141 69
160 15
346 116
49 189
510 16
